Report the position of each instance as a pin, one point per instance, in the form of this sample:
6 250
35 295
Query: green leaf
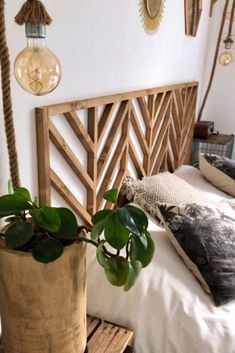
98 229
115 234
139 253
116 270
111 195
133 219
100 215
19 234
69 227
100 254
23 193
12 205
10 187
134 272
47 218
47 250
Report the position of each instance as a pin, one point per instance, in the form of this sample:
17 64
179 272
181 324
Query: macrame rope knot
33 11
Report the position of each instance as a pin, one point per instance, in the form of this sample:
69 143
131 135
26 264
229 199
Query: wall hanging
37 69
151 12
193 10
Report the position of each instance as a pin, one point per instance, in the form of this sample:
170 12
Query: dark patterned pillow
220 171
205 239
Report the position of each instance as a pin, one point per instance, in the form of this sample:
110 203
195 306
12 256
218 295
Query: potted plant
42 268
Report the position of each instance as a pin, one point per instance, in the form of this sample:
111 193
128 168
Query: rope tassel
33 11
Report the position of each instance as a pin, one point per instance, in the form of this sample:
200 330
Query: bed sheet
167 309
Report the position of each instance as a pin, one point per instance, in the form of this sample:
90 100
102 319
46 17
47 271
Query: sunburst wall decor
151 12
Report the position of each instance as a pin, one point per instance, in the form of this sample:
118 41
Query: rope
33 11
215 61
6 98
229 40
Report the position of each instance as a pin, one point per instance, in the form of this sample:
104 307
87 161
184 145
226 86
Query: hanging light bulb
37 69
225 58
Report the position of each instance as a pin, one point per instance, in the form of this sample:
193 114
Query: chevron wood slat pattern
167 115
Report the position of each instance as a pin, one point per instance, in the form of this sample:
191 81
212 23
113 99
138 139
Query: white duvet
167 309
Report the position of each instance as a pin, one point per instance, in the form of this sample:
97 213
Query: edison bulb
37 69
225 58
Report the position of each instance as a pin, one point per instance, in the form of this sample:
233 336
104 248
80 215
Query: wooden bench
105 337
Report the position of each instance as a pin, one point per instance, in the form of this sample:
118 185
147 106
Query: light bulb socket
35 30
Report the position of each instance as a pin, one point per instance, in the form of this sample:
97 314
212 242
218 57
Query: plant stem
88 241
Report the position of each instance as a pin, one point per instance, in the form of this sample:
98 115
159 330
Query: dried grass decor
151 12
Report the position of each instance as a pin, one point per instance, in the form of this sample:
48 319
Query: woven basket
43 306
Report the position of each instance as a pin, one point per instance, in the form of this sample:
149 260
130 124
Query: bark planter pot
43 306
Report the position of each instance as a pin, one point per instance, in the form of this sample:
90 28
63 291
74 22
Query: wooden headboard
152 129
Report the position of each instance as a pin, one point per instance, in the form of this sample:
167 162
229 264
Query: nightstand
221 145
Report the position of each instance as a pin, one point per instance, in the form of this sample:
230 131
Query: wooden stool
105 337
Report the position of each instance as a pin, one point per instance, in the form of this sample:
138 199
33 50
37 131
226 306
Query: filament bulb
37 69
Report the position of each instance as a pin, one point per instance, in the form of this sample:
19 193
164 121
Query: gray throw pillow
219 171
205 239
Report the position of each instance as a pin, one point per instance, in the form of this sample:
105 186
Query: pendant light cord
6 99
215 60
231 20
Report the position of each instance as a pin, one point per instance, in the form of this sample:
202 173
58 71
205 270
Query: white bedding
167 309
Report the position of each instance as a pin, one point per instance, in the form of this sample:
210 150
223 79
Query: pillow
163 187
205 239
220 171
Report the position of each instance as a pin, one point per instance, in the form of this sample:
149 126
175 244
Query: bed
141 133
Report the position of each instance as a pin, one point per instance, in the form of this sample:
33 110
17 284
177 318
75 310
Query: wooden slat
104 120
144 111
135 159
80 131
109 338
111 171
67 195
92 324
121 114
43 156
62 108
92 159
69 156
139 134
161 116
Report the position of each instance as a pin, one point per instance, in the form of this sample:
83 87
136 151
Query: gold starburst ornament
151 12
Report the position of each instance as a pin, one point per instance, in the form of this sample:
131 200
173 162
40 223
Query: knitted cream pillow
163 187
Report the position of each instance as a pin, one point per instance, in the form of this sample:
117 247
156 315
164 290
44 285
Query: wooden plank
104 120
69 156
80 131
144 111
43 156
72 106
92 324
109 338
67 195
135 159
139 134
92 159
121 114
111 170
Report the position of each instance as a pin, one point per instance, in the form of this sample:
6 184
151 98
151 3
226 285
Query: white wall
103 50
220 106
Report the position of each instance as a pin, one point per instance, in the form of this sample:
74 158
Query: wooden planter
43 306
